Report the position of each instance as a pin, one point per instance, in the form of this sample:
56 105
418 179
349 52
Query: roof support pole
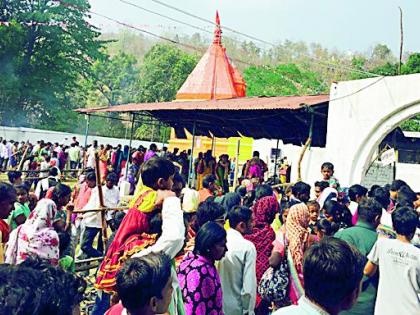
213 145
191 172
306 146
235 175
275 159
87 118
129 145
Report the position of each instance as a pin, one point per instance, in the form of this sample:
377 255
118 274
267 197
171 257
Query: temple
214 78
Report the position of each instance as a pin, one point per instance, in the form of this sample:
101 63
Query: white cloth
237 274
90 157
399 279
353 207
43 185
44 169
173 230
111 199
172 239
304 307
386 218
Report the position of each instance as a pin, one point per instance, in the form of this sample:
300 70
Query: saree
132 236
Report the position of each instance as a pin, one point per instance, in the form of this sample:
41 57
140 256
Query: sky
351 25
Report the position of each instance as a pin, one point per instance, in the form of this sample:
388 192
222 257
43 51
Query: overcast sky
351 25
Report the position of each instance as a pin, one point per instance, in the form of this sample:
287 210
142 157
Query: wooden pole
305 147
104 209
101 199
191 171
22 160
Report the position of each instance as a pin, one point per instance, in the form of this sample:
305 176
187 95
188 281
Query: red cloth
5 231
130 238
263 234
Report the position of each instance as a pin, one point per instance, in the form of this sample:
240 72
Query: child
314 208
133 234
327 171
21 211
398 261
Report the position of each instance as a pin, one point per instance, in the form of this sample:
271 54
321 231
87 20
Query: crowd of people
209 248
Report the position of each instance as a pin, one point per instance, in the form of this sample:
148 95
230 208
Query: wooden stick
22 160
101 199
305 147
101 209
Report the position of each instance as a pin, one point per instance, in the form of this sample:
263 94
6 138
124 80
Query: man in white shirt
332 272
399 264
92 221
90 154
43 185
237 268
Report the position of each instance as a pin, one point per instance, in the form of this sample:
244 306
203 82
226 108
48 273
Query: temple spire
217 31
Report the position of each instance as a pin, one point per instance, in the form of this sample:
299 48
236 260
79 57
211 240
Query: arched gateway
361 113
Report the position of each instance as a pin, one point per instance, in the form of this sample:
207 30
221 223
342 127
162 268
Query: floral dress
200 285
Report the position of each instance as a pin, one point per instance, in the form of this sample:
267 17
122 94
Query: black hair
22 187
405 221
368 209
322 184
332 270
382 196
239 214
179 179
230 200
142 278
256 154
207 236
13 175
61 190
90 176
372 190
313 203
61 290
208 211
301 188
263 190
397 184
7 192
283 206
53 171
241 190
329 228
112 177
357 191
154 169
208 180
249 198
405 193
328 166
339 212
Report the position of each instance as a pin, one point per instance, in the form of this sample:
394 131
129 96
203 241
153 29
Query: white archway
363 154
361 113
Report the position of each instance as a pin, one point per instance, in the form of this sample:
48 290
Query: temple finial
218 31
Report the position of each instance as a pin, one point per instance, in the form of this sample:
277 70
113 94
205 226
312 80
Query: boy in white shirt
399 262
92 221
237 268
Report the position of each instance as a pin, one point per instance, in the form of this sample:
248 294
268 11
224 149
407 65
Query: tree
165 68
43 53
412 65
286 79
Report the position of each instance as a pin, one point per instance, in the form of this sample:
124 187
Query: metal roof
283 117
240 103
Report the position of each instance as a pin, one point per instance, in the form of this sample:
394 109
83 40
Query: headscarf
297 233
263 235
328 193
230 200
36 237
190 201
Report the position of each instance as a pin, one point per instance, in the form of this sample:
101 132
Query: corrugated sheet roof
242 103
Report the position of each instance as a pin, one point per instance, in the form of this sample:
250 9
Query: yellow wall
222 146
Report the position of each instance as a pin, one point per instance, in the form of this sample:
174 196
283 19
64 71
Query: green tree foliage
44 51
165 68
286 79
412 65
